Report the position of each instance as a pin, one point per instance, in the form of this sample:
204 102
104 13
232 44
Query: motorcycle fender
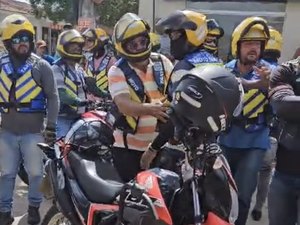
213 219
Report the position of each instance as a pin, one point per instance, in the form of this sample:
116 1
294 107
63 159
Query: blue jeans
12 149
284 200
244 164
63 126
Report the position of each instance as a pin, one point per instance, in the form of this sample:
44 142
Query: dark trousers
284 200
127 162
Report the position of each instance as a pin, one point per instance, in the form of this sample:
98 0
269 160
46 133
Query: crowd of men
141 83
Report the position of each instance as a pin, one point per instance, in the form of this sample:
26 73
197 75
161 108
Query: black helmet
207 98
89 132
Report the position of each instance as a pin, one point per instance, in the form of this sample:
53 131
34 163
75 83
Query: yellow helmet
193 23
250 29
90 34
13 24
101 35
155 41
215 32
127 28
98 35
275 41
68 37
214 29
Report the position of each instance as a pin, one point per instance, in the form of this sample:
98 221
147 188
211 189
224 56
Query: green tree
55 10
110 11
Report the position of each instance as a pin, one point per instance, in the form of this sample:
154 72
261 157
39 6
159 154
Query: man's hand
147 158
158 111
49 135
264 74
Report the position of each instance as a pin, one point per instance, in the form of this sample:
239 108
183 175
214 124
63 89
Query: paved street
20 204
20 207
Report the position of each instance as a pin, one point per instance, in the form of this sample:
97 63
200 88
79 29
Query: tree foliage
56 10
110 11
107 13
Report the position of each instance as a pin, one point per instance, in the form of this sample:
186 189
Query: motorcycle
208 189
86 188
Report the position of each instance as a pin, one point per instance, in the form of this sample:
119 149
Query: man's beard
20 56
248 61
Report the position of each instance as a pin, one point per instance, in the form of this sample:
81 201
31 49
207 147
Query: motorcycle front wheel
55 217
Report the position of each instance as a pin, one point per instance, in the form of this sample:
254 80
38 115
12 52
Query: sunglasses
18 40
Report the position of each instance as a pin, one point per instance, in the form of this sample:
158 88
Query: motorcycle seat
99 180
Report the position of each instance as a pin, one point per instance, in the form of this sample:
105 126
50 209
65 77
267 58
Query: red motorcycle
86 188
88 191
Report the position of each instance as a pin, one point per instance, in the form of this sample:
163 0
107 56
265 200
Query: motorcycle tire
55 217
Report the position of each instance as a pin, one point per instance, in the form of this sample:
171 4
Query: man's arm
283 99
64 96
48 84
262 83
132 108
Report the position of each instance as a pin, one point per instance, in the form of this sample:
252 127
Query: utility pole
153 14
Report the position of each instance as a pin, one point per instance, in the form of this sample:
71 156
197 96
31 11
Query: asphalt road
20 207
20 204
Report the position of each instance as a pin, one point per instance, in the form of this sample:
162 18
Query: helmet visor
137 45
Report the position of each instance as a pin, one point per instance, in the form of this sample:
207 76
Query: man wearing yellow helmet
27 92
271 54
246 142
273 48
70 78
137 83
187 31
155 41
99 62
215 32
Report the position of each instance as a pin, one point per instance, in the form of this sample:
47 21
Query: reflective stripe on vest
72 82
202 58
101 73
136 87
254 103
29 96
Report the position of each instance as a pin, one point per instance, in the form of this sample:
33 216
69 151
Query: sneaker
34 217
6 218
256 214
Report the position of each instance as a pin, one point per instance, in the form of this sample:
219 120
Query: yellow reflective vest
18 89
100 73
129 124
